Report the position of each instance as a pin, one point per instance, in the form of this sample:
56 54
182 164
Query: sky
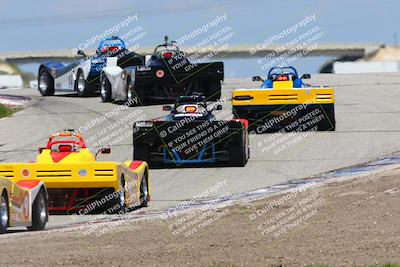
62 24
48 25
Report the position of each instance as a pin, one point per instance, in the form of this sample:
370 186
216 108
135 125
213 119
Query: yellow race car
285 103
22 203
77 183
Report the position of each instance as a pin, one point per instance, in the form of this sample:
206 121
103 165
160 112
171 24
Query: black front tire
40 212
105 90
45 83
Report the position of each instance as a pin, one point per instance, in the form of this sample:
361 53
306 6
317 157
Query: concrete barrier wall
10 81
366 67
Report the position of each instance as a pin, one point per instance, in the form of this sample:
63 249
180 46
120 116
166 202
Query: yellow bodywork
20 200
283 93
80 170
84 155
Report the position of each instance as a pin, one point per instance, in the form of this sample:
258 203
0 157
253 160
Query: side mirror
306 76
219 107
166 108
103 150
80 52
257 79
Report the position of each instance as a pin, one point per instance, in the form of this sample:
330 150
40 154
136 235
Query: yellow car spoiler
319 95
283 93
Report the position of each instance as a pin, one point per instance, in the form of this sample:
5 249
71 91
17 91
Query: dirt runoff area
351 223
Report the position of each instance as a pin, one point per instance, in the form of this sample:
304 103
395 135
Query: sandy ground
352 223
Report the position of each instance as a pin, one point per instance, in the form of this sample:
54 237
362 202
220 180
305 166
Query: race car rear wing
315 95
189 132
166 73
185 142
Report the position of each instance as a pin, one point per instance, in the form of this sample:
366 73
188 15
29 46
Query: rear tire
4 213
45 83
144 191
237 155
135 95
81 85
329 122
39 212
121 201
141 152
105 89
213 92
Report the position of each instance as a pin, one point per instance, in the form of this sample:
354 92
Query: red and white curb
14 101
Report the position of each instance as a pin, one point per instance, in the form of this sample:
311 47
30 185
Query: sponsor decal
143 68
82 172
160 73
25 173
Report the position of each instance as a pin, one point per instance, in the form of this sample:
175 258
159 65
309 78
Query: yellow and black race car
285 103
22 203
77 183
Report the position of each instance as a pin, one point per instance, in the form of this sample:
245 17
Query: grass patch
6 111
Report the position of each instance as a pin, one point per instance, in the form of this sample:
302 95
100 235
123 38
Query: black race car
191 135
166 75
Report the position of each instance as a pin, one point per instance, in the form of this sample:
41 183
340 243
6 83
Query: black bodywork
191 140
268 119
168 74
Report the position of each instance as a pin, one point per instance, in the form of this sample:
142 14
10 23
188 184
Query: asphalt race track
367 127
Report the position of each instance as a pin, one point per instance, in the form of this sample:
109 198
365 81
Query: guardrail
235 51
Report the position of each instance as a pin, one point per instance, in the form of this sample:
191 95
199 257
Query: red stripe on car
135 164
58 156
28 183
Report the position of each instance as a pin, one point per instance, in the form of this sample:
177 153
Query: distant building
386 59
366 67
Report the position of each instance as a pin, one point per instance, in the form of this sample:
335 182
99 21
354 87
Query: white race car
82 76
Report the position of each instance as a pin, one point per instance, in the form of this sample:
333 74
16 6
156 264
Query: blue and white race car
83 76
